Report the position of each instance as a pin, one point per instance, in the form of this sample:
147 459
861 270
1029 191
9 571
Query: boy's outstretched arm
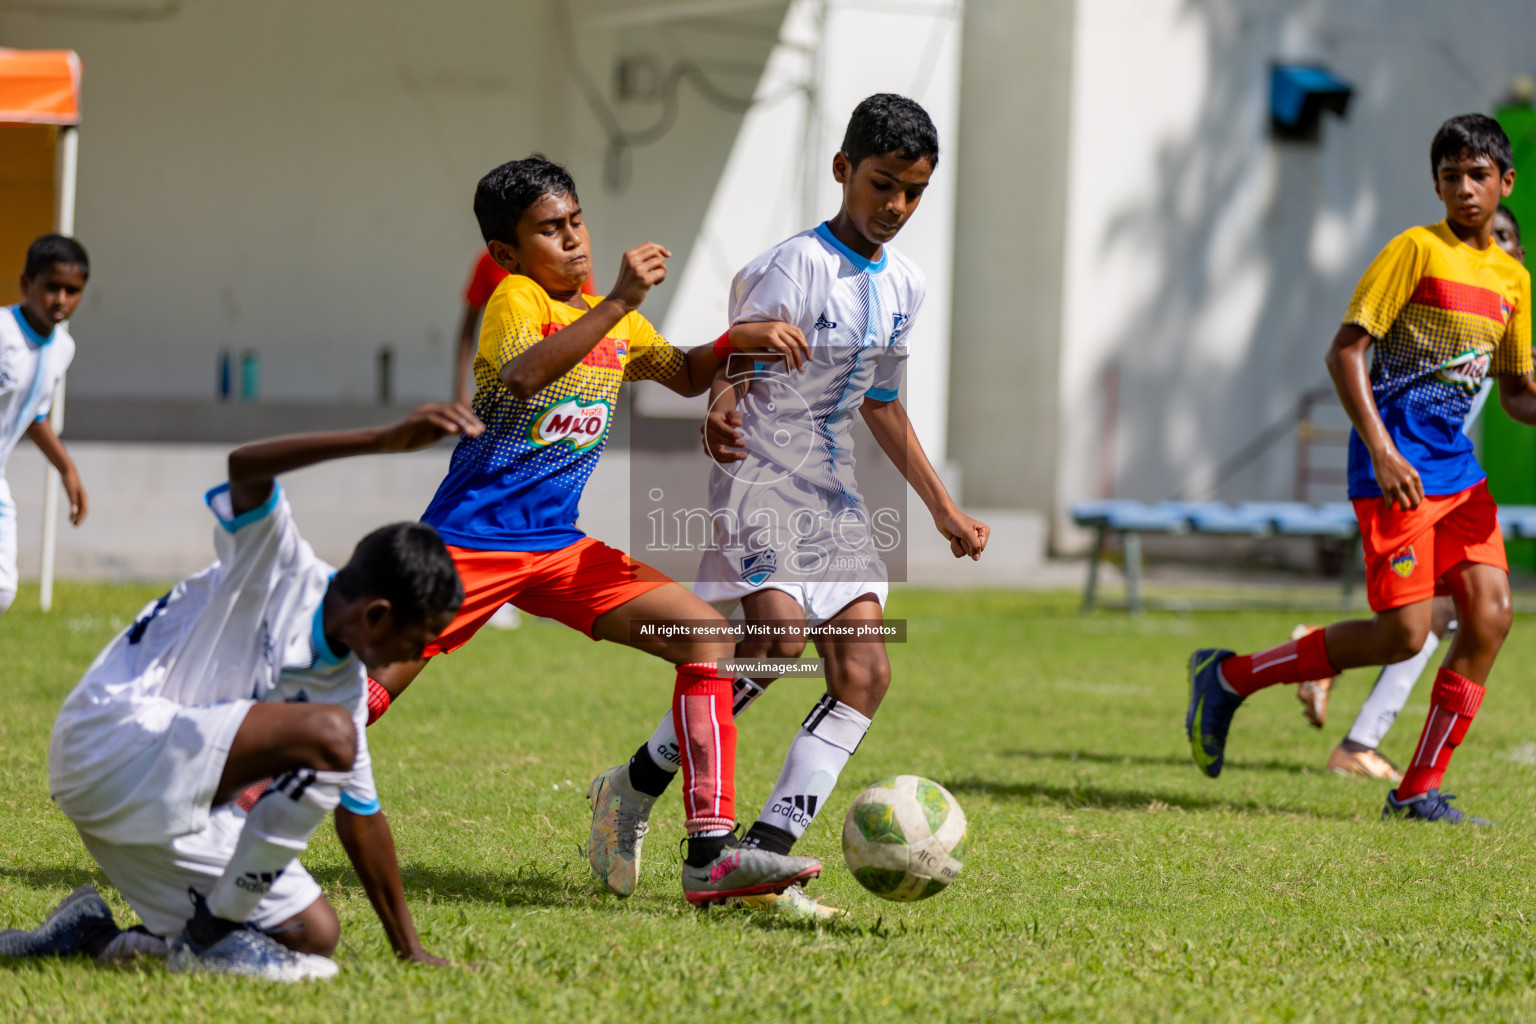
370 846
893 430
768 339
253 467
1517 395
1399 481
54 451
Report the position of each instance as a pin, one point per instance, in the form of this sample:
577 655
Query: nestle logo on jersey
1464 371
582 425
823 324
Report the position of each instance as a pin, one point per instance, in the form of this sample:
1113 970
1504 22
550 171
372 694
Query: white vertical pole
69 162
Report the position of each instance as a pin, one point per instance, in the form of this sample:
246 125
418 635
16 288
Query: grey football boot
81 923
620 820
243 950
745 871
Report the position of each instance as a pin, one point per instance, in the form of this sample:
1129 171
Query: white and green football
904 838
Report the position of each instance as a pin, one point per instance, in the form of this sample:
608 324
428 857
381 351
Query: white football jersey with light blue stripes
856 315
31 367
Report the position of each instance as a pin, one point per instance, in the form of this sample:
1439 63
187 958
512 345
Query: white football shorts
774 531
154 878
150 823
8 577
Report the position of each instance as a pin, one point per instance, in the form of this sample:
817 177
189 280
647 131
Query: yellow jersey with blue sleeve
1444 315
516 487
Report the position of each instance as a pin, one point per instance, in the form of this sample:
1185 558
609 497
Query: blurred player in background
1358 753
782 442
35 350
547 374
1445 307
250 669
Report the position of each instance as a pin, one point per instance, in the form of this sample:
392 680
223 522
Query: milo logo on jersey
1466 371
580 424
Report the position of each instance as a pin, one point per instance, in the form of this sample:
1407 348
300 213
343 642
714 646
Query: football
904 838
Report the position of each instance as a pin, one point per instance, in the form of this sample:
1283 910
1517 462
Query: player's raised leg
714 868
622 796
1219 680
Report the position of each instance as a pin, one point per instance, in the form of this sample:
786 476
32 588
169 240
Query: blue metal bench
1131 519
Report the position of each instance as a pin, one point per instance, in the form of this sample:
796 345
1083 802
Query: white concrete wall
1206 263
296 178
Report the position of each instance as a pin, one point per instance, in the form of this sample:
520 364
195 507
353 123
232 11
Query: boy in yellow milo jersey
547 374
1445 306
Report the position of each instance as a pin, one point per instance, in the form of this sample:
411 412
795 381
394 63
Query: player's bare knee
863 681
316 930
333 739
786 647
1400 637
1488 621
1499 613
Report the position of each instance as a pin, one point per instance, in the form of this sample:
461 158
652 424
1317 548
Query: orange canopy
40 86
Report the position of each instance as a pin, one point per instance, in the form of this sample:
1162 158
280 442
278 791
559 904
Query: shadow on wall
1253 246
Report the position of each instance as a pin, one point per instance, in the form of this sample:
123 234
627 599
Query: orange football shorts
574 585
1407 554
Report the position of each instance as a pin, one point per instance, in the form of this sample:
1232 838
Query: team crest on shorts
758 566
1404 562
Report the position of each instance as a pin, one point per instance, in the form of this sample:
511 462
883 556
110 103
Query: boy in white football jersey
253 668
35 350
796 541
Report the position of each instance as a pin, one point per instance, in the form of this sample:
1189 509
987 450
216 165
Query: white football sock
822 747
7 597
662 746
275 833
1389 695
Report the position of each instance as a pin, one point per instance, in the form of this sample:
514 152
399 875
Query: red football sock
706 732
378 701
1453 703
246 800
1294 661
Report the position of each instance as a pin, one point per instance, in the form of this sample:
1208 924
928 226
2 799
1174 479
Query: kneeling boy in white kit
253 668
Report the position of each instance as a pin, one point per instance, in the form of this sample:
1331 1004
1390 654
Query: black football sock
645 775
203 928
769 837
703 849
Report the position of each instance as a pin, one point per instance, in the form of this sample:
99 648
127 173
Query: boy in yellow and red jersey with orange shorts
547 374
1445 307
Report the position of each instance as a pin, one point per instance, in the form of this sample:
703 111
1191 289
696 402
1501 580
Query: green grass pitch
1106 879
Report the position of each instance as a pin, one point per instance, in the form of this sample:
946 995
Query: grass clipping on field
1106 879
